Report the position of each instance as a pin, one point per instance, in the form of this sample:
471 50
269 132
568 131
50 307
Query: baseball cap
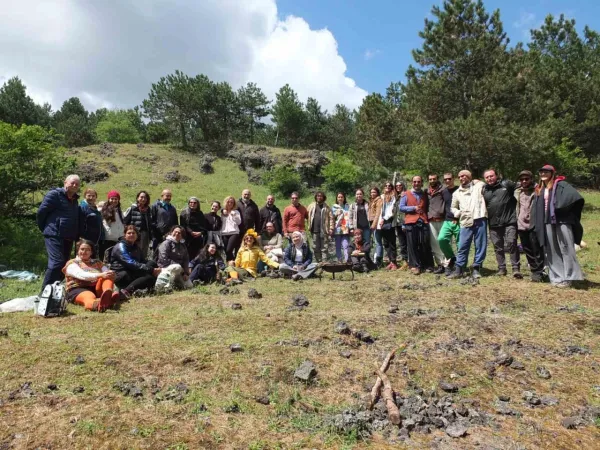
548 167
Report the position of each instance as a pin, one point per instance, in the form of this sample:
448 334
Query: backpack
52 302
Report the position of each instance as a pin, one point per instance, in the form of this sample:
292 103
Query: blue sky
376 37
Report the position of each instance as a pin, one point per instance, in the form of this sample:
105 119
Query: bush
157 133
117 127
341 174
283 180
22 245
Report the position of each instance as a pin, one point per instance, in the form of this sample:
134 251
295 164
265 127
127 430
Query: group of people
237 239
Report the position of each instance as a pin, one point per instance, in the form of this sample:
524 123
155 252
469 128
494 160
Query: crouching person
174 260
360 254
207 266
246 261
133 272
298 259
89 282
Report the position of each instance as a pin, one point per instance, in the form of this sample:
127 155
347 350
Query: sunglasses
524 179
447 179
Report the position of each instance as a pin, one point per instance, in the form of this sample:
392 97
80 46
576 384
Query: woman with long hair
140 215
247 258
207 266
557 222
387 224
341 228
358 216
88 281
374 214
230 228
112 221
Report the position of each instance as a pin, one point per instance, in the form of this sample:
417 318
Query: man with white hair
249 211
468 206
58 220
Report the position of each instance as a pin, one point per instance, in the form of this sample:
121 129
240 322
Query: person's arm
404 208
455 206
47 205
287 256
279 242
237 217
74 271
121 253
164 254
286 219
307 257
267 261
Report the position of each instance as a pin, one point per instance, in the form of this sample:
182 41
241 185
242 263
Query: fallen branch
388 397
384 367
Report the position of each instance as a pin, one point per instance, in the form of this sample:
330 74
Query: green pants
448 230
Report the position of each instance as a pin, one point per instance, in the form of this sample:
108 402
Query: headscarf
297 233
197 200
112 194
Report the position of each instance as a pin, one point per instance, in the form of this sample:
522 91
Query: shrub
341 174
283 180
117 127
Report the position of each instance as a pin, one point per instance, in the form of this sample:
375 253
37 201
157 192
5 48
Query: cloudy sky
108 52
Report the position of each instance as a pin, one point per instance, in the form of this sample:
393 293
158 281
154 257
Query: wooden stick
388 397
384 367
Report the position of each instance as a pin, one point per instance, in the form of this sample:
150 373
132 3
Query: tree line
470 100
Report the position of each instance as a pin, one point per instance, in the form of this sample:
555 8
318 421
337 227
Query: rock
456 430
571 423
342 328
175 177
503 409
306 371
300 301
78 390
236 306
548 400
504 398
531 398
345 353
187 360
542 372
576 350
504 360
235 348
393 309
136 392
384 288
253 293
448 387
52 387
79 360
226 290
206 166
363 336
264 400
90 173
233 408
3 332
516 365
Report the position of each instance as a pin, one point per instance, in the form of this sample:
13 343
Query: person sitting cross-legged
298 259
89 282
207 266
246 261
360 254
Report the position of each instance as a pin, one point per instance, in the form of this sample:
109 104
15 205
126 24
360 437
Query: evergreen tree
253 106
289 116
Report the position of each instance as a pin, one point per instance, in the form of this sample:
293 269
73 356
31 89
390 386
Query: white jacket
468 204
231 222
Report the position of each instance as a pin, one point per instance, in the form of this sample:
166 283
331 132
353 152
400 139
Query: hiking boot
440 270
448 271
501 273
429 270
563 285
475 272
458 273
537 277
124 295
517 274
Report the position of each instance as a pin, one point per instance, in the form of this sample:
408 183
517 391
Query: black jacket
193 221
58 216
90 222
128 258
270 214
213 221
250 216
141 220
163 218
501 203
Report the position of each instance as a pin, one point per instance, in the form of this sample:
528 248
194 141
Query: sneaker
105 301
563 285
448 271
458 273
392 266
517 275
475 273
415 271
537 277
440 270
501 272
124 295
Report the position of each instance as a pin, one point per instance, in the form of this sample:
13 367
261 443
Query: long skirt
559 252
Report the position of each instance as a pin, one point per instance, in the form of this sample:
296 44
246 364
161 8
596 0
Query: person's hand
295 268
156 272
196 234
418 210
355 253
231 263
110 275
455 221
185 277
268 248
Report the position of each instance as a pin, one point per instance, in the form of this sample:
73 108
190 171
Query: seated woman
247 258
133 272
206 267
174 251
89 282
271 242
298 259
360 253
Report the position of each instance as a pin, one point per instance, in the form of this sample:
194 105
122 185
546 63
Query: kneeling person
298 259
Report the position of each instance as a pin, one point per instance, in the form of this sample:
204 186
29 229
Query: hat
112 194
548 167
467 173
525 173
252 233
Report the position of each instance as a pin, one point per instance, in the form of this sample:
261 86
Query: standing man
320 222
436 215
501 206
58 220
450 226
270 213
468 206
414 205
294 217
531 246
249 211
164 216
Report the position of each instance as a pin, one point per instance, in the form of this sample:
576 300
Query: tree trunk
182 130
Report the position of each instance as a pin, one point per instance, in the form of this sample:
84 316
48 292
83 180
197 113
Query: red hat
112 194
548 167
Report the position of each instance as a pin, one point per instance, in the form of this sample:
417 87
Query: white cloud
370 54
109 53
525 22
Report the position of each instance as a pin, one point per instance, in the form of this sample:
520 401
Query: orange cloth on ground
88 298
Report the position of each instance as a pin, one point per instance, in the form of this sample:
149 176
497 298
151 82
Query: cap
548 167
112 194
525 173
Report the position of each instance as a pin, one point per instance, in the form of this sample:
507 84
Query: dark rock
226 290
503 409
548 400
576 350
187 360
300 301
504 360
571 423
3 332
236 306
253 293
306 371
448 387
264 400
90 173
136 392
384 288
175 177
516 365
531 398
78 390
345 353
206 162
363 336
358 423
542 372
234 408
177 393
504 398
52 387
342 328
79 360
235 348
456 430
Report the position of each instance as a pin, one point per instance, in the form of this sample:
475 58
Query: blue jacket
128 258
58 216
90 223
289 256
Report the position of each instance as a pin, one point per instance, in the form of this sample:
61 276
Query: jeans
378 246
366 235
477 232
501 235
59 252
341 247
449 230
